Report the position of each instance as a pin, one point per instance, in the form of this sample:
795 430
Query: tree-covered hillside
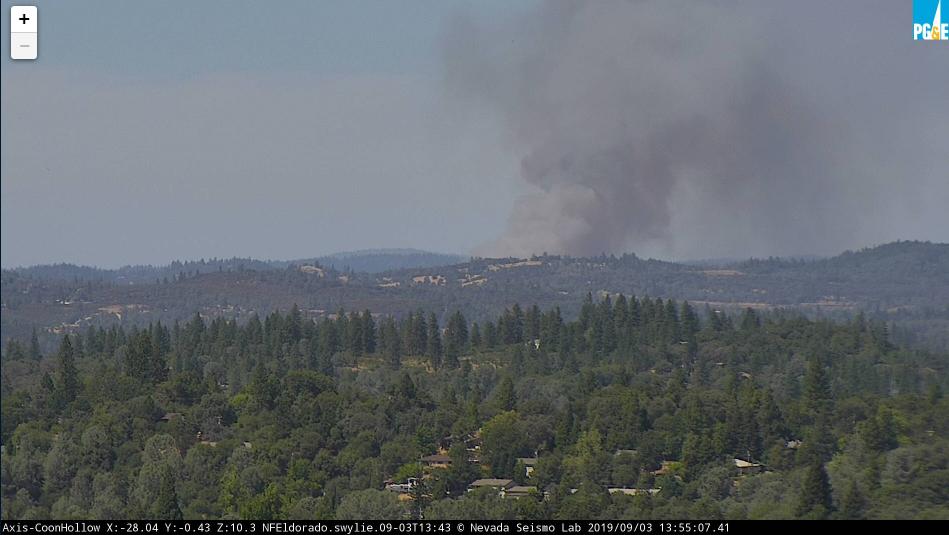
639 408
903 282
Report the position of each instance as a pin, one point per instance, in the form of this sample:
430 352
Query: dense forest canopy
639 407
662 278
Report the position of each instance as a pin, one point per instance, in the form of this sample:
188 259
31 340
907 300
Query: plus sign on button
23 32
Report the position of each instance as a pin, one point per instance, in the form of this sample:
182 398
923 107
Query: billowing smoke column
679 126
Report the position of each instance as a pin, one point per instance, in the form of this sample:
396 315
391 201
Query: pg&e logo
927 21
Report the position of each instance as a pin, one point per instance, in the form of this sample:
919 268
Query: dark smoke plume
689 128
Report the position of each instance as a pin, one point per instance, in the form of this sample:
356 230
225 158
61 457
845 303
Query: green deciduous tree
503 441
370 504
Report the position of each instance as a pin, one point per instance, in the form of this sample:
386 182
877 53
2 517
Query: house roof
741 463
492 482
520 489
528 461
436 458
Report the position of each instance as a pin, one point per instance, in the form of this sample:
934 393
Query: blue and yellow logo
927 21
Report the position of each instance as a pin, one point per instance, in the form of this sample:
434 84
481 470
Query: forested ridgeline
639 408
903 283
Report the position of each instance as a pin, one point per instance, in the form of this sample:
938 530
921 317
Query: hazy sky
152 131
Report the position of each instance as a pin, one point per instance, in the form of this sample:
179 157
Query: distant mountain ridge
380 260
394 251
367 260
907 280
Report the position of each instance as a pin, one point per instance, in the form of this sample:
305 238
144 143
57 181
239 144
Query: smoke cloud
688 129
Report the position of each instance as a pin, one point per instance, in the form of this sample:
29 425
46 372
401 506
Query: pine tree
166 503
293 326
47 383
461 472
505 328
157 366
749 320
635 313
506 399
314 357
254 331
13 351
690 321
143 359
368 332
78 348
356 337
420 494
392 343
459 330
696 452
517 324
475 335
434 338
670 322
814 501
195 331
68 387
329 338
264 387
587 312
456 338
418 340
620 322
606 326
490 335
770 419
853 502
94 340
517 360
520 472
816 386
532 320
342 330
551 330
407 387
880 335
819 442
35 353
878 432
